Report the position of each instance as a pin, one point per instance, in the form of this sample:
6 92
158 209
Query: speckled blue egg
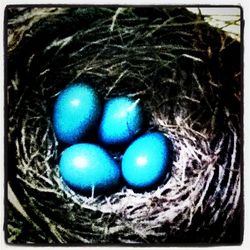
86 166
122 120
145 162
76 111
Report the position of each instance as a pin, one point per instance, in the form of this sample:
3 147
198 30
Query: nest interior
187 75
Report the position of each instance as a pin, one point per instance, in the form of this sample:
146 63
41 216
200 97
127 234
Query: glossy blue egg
145 162
76 111
122 120
86 167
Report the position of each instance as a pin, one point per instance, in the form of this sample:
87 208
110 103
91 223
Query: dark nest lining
186 74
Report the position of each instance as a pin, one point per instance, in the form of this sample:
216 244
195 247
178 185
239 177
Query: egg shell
145 162
85 166
76 112
122 120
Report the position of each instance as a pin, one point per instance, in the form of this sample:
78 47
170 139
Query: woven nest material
186 74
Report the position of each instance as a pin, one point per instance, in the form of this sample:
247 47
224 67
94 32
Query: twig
118 11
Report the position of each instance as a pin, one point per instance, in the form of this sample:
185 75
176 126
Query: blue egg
145 162
122 120
76 112
86 166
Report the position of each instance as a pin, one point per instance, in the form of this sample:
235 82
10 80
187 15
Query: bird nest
187 76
